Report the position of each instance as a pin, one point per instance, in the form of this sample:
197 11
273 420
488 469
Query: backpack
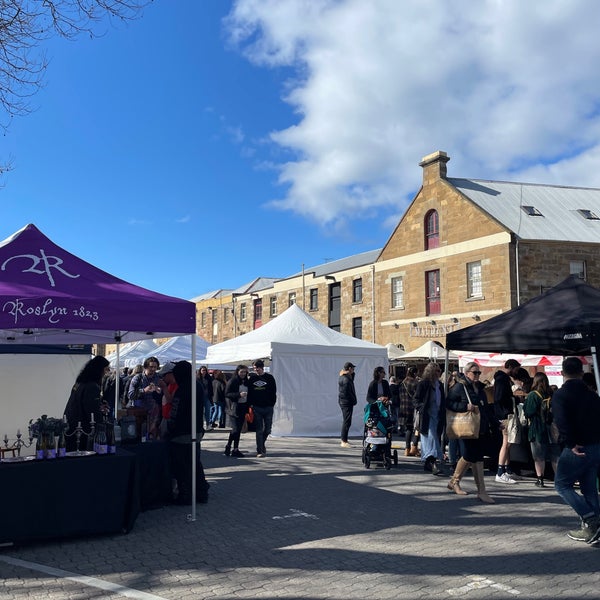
546 411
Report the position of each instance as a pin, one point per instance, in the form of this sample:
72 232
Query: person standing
406 412
346 400
86 400
179 432
576 411
145 391
503 403
262 395
236 397
431 409
538 410
217 416
206 381
472 452
379 388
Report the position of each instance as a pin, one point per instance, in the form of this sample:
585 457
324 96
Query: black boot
227 450
428 465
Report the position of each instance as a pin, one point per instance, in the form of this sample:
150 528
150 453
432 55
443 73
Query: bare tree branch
26 24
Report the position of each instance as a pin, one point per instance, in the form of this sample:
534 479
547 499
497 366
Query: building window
243 312
577 268
226 315
357 328
314 299
474 283
397 292
432 230
273 306
215 315
357 290
532 211
258 310
588 214
432 292
291 298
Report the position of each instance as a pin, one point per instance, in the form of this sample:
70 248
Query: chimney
434 167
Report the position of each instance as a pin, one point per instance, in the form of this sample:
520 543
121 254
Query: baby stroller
377 436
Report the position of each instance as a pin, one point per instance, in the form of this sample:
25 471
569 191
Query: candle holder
78 432
18 443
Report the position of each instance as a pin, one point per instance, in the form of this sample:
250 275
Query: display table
154 473
68 497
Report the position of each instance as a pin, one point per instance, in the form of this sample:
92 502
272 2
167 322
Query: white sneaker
345 445
504 478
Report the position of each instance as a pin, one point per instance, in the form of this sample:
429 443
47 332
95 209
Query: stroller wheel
367 461
395 457
364 455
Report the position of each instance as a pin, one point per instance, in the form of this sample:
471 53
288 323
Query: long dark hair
93 370
541 384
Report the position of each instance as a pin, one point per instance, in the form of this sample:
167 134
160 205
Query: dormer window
432 230
588 214
532 211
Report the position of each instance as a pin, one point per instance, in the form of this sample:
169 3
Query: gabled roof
256 285
561 218
342 264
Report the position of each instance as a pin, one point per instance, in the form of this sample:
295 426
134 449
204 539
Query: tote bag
463 425
514 424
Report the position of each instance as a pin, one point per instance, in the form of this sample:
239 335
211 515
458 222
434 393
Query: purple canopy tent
49 296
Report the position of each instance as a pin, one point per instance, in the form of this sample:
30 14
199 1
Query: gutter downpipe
518 287
373 301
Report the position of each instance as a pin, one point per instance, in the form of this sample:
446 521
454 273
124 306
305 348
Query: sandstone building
465 250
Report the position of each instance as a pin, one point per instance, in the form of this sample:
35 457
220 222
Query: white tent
429 351
306 358
393 352
178 348
133 353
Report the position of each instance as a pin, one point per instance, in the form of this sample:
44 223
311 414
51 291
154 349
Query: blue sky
211 142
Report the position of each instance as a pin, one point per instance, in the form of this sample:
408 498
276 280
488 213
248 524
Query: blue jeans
572 468
215 413
263 421
207 409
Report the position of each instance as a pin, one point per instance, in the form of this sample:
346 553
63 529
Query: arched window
432 230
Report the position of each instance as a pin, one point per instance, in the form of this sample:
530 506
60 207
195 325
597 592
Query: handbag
463 425
514 424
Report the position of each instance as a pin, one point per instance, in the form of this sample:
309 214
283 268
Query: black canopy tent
563 321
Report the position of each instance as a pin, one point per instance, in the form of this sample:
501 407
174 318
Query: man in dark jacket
347 400
262 395
576 411
179 432
503 406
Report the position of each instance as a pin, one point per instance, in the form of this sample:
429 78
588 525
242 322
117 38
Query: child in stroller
377 436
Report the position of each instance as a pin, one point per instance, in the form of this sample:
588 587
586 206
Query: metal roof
342 264
560 219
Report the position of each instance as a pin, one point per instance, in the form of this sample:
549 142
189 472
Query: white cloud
510 89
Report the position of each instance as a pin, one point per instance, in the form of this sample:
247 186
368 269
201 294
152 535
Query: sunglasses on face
475 372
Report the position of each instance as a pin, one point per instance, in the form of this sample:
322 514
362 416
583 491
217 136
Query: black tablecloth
68 497
154 473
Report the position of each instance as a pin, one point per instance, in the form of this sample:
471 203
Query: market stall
49 296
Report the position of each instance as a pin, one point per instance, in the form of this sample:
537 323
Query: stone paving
310 522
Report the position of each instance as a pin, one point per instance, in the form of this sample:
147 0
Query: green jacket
537 430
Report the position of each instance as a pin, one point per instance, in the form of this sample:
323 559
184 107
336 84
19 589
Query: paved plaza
310 522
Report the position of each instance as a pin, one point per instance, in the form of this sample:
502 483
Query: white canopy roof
429 351
293 330
133 353
179 348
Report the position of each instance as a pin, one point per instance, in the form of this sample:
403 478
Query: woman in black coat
236 407
86 400
430 418
468 388
379 388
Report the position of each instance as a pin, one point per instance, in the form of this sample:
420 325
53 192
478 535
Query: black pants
346 421
181 466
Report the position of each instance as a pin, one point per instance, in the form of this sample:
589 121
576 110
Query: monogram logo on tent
48 263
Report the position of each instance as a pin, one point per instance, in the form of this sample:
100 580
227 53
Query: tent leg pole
194 431
595 361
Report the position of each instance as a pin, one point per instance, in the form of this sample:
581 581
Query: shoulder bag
514 426
463 425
